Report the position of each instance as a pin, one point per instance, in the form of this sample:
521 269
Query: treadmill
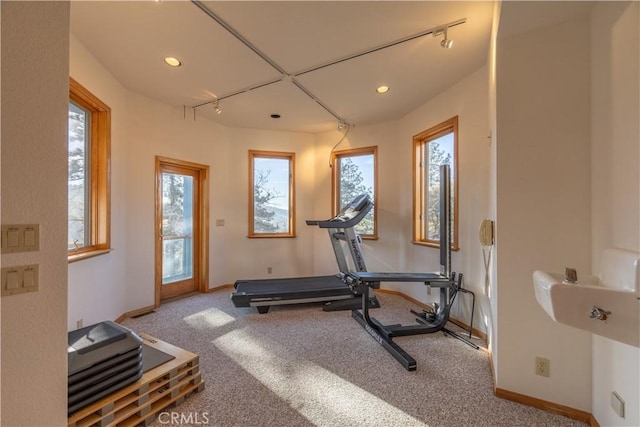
342 292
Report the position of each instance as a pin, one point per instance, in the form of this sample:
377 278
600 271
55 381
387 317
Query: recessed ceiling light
382 89
173 62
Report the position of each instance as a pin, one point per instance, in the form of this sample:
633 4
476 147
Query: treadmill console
351 210
349 216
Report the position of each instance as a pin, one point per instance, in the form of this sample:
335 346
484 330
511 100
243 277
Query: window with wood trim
354 172
432 148
271 194
89 140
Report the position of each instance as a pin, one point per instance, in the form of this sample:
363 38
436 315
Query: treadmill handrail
427 278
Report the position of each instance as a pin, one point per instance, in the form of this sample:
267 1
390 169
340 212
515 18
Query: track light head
446 43
216 107
342 125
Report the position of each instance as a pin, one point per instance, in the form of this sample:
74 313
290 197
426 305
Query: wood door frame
202 274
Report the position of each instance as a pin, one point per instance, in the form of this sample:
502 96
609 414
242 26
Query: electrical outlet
79 324
269 270
543 366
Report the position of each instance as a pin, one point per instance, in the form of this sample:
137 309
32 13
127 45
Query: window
432 148
355 173
88 179
271 194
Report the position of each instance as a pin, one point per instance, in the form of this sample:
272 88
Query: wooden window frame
419 141
353 152
291 157
100 167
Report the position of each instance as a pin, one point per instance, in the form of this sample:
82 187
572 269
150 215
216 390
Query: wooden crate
139 403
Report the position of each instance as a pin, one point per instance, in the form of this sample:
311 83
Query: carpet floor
299 366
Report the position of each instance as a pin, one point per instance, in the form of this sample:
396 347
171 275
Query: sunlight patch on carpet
319 395
209 318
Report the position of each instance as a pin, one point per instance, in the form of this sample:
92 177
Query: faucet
600 314
570 275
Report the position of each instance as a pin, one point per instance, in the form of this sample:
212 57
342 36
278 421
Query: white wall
492 319
93 295
161 130
615 179
543 203
35 96
251 257
143 128
393 251
381 254
469 100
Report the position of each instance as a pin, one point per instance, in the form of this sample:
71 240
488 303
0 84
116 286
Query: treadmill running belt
256 292
318 283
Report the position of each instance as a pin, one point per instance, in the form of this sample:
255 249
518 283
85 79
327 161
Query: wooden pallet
139 403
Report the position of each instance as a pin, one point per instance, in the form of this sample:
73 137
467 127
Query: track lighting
439 30
446 42
216 107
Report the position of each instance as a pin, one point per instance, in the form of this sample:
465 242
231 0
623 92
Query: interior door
178 225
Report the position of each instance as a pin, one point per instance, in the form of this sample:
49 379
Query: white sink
614 294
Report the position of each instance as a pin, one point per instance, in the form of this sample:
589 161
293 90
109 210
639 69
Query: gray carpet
299 366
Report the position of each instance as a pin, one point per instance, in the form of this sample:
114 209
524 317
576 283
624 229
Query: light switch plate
20 279
12 279
20 238
13 237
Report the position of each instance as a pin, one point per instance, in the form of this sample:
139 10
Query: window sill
271 236
433 245
89 254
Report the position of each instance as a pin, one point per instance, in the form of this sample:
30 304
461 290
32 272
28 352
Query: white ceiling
131 39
